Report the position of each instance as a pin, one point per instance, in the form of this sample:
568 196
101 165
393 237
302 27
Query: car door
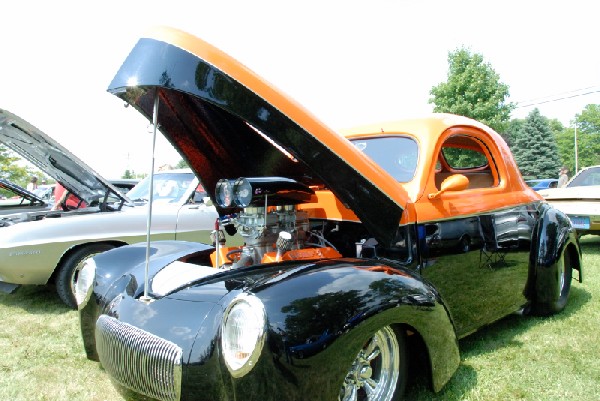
196 218
477 240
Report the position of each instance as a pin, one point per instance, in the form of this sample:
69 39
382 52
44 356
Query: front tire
379 371
69 269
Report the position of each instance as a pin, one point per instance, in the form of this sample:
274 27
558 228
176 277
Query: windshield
45 192
398 155
168 187
591 176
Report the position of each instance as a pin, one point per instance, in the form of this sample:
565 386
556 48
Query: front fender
123 268
327 312
131 260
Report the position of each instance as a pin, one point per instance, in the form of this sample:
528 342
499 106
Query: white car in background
49 247
579 199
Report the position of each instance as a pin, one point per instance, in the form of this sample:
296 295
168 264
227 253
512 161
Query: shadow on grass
36 299
490 339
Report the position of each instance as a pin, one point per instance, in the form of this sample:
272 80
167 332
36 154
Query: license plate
581 222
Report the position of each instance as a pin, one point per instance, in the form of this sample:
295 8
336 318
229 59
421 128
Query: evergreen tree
473 89
535 149
128 174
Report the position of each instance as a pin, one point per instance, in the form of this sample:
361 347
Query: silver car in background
49 247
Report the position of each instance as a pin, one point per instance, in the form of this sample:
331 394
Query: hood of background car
572 193
227 123
21 192
53 159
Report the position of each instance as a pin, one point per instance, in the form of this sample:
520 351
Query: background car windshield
168 187
398 155
587 177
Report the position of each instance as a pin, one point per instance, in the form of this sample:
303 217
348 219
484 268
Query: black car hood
53 159
21 192
229 123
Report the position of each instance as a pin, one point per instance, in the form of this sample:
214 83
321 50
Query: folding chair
491 253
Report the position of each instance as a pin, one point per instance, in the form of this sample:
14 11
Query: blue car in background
543 183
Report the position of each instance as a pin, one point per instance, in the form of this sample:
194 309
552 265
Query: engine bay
274 228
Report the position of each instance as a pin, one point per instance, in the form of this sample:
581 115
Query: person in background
63 199
562 177
32 184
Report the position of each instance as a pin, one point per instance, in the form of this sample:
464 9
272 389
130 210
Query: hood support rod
145 297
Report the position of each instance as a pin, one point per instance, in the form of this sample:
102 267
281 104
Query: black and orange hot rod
363 250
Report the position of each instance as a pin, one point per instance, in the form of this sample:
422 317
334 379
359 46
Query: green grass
517 358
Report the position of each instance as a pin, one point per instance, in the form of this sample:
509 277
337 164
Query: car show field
514 358
285 260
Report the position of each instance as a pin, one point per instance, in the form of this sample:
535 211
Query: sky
348 62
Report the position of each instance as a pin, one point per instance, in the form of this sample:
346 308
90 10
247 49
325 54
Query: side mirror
456 182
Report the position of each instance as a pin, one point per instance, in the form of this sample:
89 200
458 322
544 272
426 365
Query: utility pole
576 153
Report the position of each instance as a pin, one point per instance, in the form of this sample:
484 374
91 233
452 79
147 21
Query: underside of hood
229 123
53 159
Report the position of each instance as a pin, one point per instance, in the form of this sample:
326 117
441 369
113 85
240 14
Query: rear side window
469 155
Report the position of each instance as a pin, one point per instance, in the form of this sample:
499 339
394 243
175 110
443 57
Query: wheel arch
554 239
405 302
74 249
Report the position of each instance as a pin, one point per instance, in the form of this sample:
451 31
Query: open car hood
227 123
53 159
30 198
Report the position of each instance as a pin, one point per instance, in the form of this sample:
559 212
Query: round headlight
84 283
243 334
224 193
242 192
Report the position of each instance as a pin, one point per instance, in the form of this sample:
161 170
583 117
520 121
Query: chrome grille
139 360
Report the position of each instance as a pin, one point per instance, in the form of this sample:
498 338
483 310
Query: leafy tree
181 164
535 149
473 89
11 170
587 124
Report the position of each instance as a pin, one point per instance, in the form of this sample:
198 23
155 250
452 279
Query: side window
398 155
467 155
463 152
199 194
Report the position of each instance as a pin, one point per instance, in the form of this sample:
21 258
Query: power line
554 98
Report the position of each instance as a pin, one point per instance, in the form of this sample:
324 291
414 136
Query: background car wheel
465 244
379 371
69 271
564 273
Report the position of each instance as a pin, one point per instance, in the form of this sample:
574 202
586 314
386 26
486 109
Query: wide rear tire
68 272
379 371
564 274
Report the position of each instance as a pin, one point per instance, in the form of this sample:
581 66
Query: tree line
540 145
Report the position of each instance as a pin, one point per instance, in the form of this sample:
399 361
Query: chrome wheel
560 271
375 372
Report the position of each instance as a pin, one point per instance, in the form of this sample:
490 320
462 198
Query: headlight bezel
249 339
85 282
